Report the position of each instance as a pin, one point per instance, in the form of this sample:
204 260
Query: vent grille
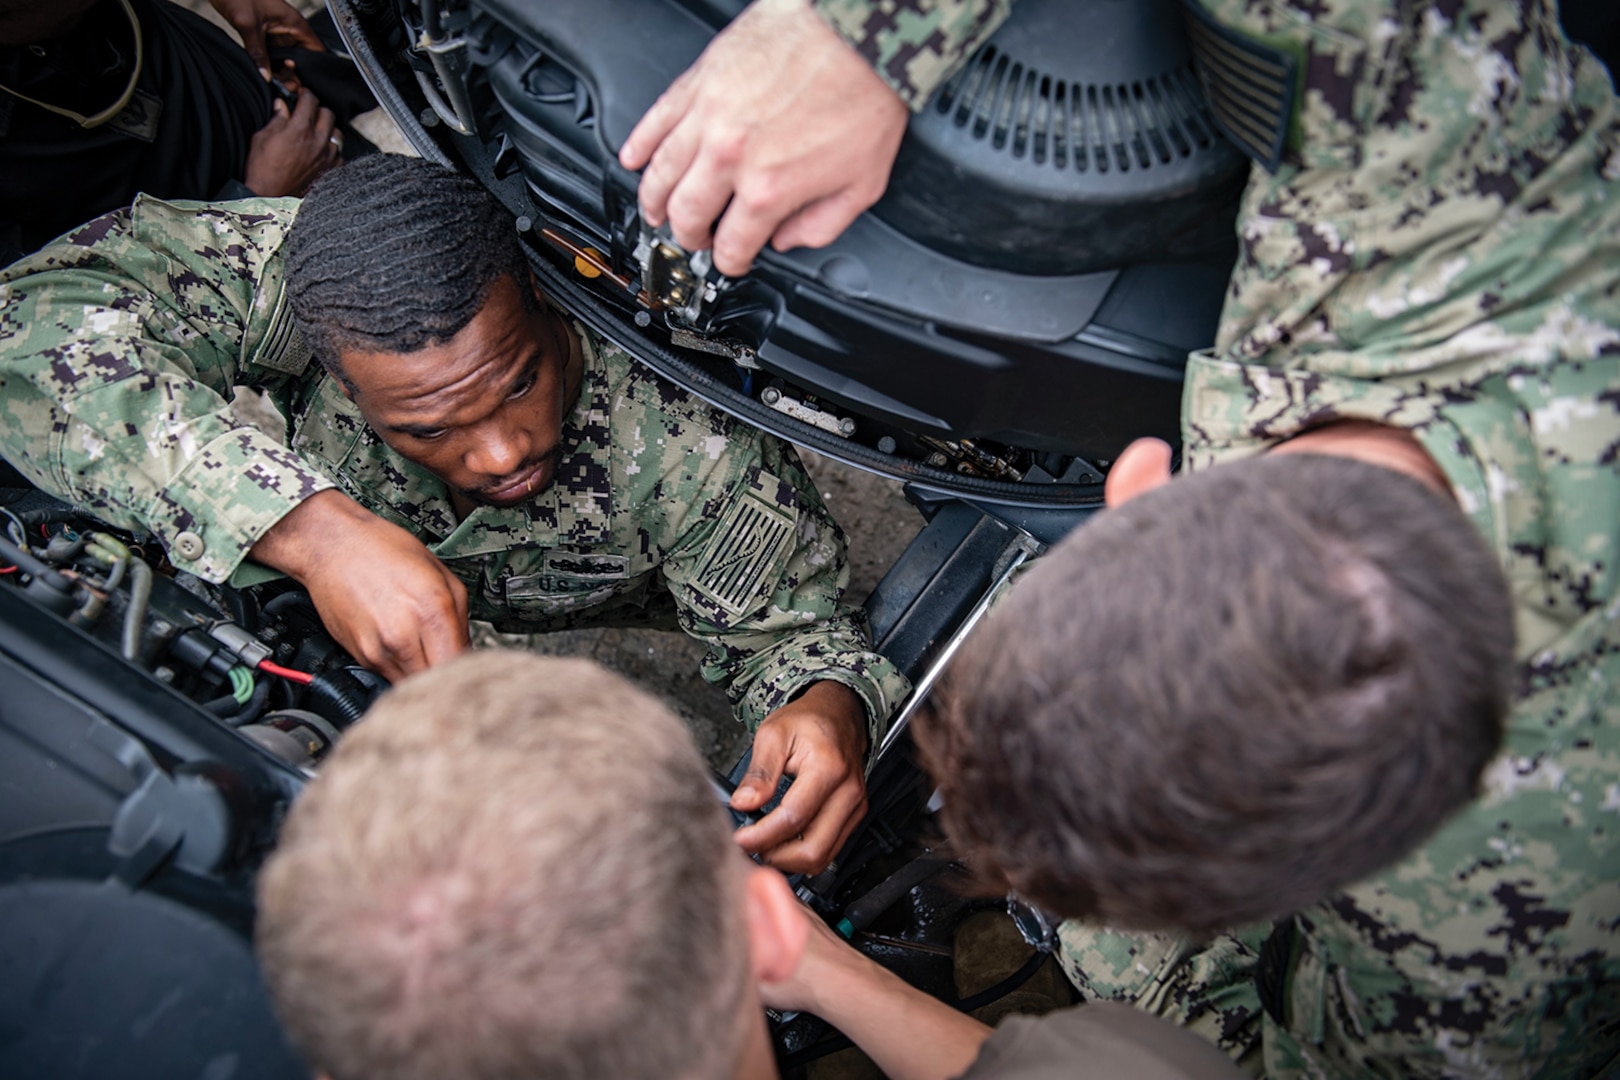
1087 127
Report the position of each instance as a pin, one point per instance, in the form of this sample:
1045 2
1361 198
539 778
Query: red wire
8 569
303 677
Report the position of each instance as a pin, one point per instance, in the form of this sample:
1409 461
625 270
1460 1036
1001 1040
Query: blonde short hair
514 866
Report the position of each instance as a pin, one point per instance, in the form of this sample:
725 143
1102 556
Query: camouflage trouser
1206 988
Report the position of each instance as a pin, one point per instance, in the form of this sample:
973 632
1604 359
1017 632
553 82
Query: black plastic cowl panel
878 323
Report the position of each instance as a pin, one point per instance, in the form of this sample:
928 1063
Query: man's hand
260 23
780 119
819 739
380 592
293 149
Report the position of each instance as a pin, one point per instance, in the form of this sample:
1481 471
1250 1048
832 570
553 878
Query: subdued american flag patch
742 554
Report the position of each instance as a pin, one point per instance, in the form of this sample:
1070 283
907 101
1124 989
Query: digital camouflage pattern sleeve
914 45
1439 251
119 347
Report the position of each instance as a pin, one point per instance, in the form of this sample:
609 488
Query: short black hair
1228 697
395 254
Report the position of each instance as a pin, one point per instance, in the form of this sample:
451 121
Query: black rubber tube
341 700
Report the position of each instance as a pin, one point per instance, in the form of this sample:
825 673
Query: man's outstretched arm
118 347
907 1033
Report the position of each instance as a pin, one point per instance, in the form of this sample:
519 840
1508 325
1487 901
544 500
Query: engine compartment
1000 326
156 728
258 660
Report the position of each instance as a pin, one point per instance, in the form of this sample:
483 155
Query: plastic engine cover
1076 138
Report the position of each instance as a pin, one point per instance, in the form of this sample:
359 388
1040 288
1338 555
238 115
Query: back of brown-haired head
1228 697
513 867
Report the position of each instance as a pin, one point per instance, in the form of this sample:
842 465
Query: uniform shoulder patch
742 556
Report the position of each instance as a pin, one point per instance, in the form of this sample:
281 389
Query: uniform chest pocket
565 574
562 582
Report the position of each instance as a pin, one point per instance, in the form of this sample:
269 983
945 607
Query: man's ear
777 930
1143 466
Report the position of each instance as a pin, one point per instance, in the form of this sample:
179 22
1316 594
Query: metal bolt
937 460
429 118
643 319
524 224
886 445
771 395
846 426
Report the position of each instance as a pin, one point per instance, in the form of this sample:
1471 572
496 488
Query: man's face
484 410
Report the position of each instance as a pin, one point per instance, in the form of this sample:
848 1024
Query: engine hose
236 710
1005 986
140 596
109 550
277 604
61 549
223 706
21 557
343 701
15 529
115 576
254 705
860 914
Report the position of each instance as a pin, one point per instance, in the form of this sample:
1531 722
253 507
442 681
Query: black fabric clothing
184 135
1103 1040
331 76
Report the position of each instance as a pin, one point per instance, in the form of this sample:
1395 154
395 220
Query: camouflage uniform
914 45
1438 250
119 343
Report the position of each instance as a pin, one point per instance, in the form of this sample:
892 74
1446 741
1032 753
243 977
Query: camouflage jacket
914 45
120 344
1440 251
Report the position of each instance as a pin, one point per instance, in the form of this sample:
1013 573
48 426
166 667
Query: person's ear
1143 466
777 931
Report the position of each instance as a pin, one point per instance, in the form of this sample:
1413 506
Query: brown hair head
1228 697
514 866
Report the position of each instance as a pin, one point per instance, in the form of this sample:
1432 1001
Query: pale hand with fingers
780 131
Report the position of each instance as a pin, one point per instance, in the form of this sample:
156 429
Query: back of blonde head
513 867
